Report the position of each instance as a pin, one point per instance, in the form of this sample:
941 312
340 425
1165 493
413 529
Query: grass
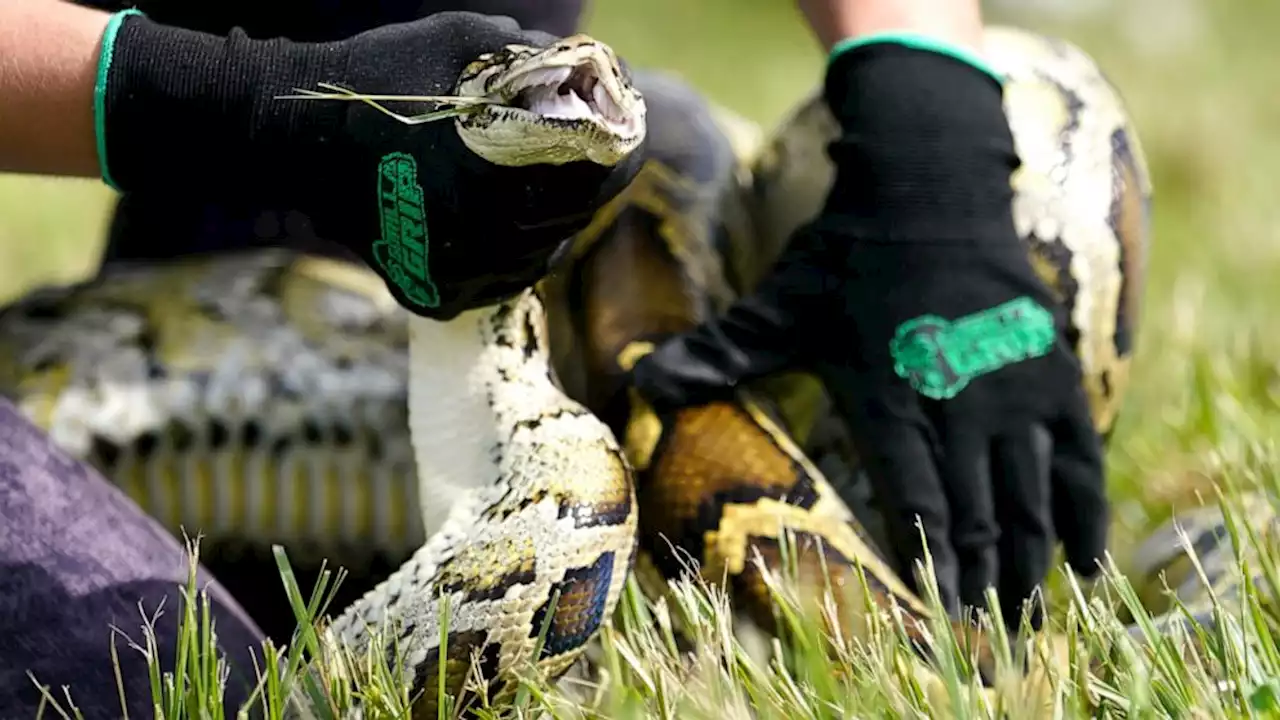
1202 411
679 657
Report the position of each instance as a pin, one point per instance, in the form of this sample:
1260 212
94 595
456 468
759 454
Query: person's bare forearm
48 63
955 21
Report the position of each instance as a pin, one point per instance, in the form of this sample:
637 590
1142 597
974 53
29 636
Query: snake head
565 103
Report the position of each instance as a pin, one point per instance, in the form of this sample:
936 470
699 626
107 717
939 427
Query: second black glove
912 298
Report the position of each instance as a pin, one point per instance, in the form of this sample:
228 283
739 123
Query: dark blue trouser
77 557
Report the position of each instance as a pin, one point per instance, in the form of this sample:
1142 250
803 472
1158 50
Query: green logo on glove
402 251
939 357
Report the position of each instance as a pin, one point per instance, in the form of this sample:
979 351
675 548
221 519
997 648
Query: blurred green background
1198 77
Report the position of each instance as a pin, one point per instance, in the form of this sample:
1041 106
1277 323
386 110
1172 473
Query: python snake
272 397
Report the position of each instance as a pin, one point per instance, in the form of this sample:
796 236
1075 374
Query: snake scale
266 397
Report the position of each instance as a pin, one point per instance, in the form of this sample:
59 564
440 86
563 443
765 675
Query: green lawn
1199 81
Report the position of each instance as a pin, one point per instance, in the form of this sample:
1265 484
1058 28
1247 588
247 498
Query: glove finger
1080 507
899 460
537 38
506 24
1020 471
475 21
966 475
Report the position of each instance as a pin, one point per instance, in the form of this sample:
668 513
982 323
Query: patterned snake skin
270 397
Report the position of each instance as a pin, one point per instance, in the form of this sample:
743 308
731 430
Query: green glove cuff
916 41
100 91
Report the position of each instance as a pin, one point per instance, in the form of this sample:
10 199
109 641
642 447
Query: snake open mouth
571 93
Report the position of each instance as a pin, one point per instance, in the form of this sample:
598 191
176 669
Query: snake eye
622 70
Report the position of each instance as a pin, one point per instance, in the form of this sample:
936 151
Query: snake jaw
582 92
565 103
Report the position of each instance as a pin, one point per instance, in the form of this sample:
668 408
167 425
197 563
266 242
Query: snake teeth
570 93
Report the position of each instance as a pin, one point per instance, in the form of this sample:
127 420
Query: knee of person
682 130
92 643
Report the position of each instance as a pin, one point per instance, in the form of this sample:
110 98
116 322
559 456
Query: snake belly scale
509 446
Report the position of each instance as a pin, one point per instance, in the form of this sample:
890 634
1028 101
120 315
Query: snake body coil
267 402
528 507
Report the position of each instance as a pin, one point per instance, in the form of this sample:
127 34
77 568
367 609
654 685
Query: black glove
912 298
312 20
201 111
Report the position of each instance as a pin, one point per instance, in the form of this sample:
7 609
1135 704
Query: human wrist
956 22
168 99
49 50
